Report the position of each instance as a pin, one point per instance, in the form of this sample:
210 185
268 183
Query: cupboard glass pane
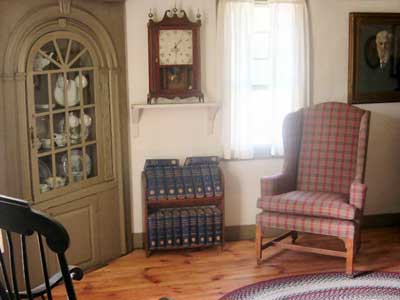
72 89
88 87
63 47
60 134
43 134
62 169
88 126
91 152
41 93
45 173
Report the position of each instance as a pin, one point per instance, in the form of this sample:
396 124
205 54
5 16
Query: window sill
253 159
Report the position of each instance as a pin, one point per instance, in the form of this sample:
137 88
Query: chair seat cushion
332 227
316 204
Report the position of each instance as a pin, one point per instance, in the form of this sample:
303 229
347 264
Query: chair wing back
333 147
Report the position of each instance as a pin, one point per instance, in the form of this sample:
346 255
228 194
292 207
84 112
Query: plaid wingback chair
321 189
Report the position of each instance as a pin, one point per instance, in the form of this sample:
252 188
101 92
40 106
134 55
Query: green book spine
193 226
169 229
180 186
170 182
160 180
152 238
201 226
177 225
198 181
209 225
185 221
160 230
208 185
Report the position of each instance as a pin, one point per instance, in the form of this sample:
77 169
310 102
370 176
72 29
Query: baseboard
247 232
383 220
138 241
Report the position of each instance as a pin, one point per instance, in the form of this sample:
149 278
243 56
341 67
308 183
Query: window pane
262 18
260 47
260 72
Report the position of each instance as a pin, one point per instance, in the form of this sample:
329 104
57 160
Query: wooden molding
65 7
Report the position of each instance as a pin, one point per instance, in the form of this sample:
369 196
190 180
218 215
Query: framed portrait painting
374 58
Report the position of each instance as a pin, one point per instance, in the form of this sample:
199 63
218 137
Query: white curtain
251 121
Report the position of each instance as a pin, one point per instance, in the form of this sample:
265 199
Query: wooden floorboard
210 273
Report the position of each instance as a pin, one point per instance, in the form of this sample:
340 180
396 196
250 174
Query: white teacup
46 143
60 139
56 182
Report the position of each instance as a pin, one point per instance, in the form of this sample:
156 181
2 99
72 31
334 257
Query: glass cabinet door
63 100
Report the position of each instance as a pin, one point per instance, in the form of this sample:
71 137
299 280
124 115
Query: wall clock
174 57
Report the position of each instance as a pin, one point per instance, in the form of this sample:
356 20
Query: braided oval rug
332 286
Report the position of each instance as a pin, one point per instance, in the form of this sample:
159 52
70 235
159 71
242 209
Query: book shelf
152 206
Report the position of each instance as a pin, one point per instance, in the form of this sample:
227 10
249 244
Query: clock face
176 47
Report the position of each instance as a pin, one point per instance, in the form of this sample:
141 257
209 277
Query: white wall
182 133
330 23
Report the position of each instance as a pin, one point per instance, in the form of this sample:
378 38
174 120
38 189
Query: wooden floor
209 274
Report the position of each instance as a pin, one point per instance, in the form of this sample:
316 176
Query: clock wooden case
174 57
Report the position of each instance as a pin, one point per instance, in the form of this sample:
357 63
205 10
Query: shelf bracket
212 114
136 116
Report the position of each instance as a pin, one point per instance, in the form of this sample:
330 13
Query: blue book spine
188 182
152 226
160 180
193 226
151 184
216 181
197 181
169 229
217 225
200 160
185 222
201 226
170 182
208 185
176 220
152 163
209 225
180 186
160 230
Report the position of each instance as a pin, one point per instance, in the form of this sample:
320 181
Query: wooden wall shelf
138 109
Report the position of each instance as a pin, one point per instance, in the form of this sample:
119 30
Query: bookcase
187 213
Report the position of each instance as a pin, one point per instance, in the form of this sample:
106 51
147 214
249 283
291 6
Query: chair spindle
44 267
12 263
25 266
4 271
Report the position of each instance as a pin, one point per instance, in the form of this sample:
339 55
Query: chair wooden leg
294 235
258 243
349 257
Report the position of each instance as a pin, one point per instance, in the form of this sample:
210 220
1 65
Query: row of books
187 182
185 227
189 161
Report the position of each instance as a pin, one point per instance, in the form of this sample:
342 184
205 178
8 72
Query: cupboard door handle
32 136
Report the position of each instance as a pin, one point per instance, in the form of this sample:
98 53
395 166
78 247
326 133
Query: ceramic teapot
41 62
72 87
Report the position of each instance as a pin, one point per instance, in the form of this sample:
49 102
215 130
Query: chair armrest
358 193
277 184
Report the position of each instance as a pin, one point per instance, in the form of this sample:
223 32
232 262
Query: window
261 63
264 48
